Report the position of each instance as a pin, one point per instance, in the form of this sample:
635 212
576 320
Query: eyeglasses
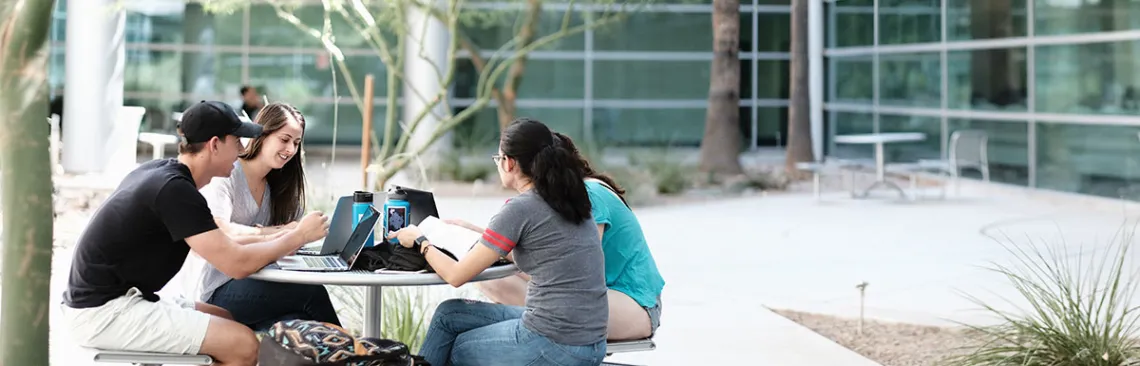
497 158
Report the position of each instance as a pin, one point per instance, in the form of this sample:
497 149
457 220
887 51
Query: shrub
1080 311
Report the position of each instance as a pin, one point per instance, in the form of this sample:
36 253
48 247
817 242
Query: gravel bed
890 344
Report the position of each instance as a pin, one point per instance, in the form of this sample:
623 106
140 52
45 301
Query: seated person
140 236
263 195
546 230
631 274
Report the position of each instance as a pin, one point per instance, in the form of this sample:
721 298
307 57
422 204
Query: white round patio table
878 139
373 283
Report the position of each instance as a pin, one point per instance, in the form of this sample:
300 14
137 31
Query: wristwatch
419 244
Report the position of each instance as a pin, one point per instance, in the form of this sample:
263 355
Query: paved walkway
726 262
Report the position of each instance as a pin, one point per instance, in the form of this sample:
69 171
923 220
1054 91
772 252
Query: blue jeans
466 332
259 304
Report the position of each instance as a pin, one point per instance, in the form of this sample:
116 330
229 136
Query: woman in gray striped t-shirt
264 197
548 232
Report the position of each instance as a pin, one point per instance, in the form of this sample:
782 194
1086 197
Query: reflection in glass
481 131
850 23
851 80
848 123
651 79
910 80
1069 17
772 79
1095 78
491 29
298 78
930 148
660 31
985 19
649 127
1008 149
1097 160
150 71
775 32
910 21
545 79
987 79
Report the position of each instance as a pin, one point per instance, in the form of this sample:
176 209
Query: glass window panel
848 123
775 32
1096 78
319 127
930 148
657 31
988 79
850 23
849 80
491 29
175 22
745 32
1007 149
910 80
910 21
268 29
544 79
985 19
1069 17
649 127
651 79
481 132
300 77
1097 160
771 126
151 71
772 79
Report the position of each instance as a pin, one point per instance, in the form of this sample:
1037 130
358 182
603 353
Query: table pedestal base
884 184
373 319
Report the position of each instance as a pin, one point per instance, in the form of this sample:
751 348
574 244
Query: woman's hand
406 236
464 224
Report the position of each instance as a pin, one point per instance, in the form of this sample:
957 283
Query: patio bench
639 345
149 358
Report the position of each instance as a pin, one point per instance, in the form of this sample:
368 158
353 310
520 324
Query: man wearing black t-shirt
139 238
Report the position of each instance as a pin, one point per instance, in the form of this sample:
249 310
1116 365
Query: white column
425 61
815 75
93 85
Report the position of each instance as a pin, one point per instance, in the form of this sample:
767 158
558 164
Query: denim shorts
654 317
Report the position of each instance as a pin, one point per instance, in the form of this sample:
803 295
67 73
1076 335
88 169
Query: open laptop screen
359 236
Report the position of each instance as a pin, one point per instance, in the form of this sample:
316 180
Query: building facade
643 82
1052 82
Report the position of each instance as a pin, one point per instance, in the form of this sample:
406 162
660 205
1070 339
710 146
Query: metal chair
968 149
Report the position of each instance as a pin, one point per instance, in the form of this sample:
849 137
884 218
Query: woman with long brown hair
262 198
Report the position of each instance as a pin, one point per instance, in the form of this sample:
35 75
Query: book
455 239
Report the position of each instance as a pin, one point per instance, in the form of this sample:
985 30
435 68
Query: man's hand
406 236
464 224
313 226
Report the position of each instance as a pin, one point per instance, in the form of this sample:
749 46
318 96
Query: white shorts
130 323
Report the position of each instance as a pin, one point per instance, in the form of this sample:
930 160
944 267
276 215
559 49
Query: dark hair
589 171
287 185
245 89
556 173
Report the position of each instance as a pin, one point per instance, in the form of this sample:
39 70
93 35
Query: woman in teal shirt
631 274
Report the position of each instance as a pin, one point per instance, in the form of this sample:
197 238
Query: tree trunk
799 121
26 183
720 147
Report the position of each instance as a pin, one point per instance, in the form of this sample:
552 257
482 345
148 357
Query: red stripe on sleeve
496 242
500 238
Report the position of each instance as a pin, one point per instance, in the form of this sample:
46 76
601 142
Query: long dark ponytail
589 171
555 170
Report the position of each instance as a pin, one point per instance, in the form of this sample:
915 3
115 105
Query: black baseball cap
209 119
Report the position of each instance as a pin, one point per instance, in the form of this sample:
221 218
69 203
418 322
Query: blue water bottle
361 201
397 211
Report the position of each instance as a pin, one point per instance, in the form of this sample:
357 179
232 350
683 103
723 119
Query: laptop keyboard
322 262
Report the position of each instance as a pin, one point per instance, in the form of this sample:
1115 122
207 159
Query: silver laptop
339 229
339 262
